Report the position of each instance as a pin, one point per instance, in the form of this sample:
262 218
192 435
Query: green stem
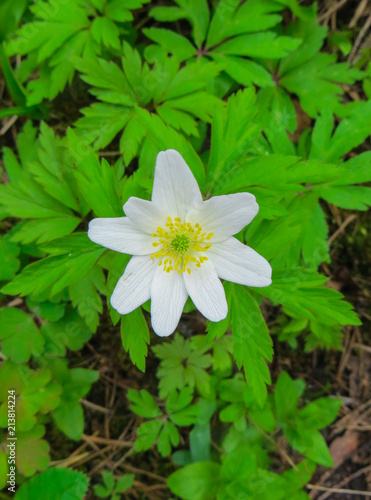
16 110
15 89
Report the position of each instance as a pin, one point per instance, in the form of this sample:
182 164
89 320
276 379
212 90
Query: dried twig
331 11
359 39
347 221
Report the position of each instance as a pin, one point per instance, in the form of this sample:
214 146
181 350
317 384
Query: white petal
168 296
121 235
206 291
134 286
224 215
145 214
239 263
174 187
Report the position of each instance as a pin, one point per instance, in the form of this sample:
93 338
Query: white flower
181 245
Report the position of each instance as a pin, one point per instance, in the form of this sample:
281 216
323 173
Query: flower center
180 243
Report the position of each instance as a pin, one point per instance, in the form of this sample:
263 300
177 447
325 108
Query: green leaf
106 32
351 132
311 444
20 338
96 181
199 481
259 45
85 295
182 365
302 294
200 442
251 340
135 337
320 413
9 252
70 332
76 383
57 271
349 197
54 171
143 404
164 137
109 480
245 71
286 397
55 484
35 392
124 483
10 15
191 78
16 90
147 434
313 76
69 418
100 491
32 451
231 138
46 229
176 401
168 437
180 46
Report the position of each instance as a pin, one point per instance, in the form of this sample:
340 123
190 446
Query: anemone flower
181 245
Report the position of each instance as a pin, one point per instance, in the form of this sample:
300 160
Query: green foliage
175 93
58 484
113 488
53 391
20 338
76 383
300 427
162 429
35 391
251 341
233 36
243 466
56 35
135 337
183 364
9 252
313 76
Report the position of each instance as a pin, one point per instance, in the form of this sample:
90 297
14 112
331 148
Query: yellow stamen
181 244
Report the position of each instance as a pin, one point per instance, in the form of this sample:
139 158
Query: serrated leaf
71 332
352 131
251 340
180 46
57 271
320 413
314 76
85 294
32 451
10 264
182 366
198 481
95 180
20 338
55 484
143 404
147 434
259 45
135 337
168 437
124 483
302 294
